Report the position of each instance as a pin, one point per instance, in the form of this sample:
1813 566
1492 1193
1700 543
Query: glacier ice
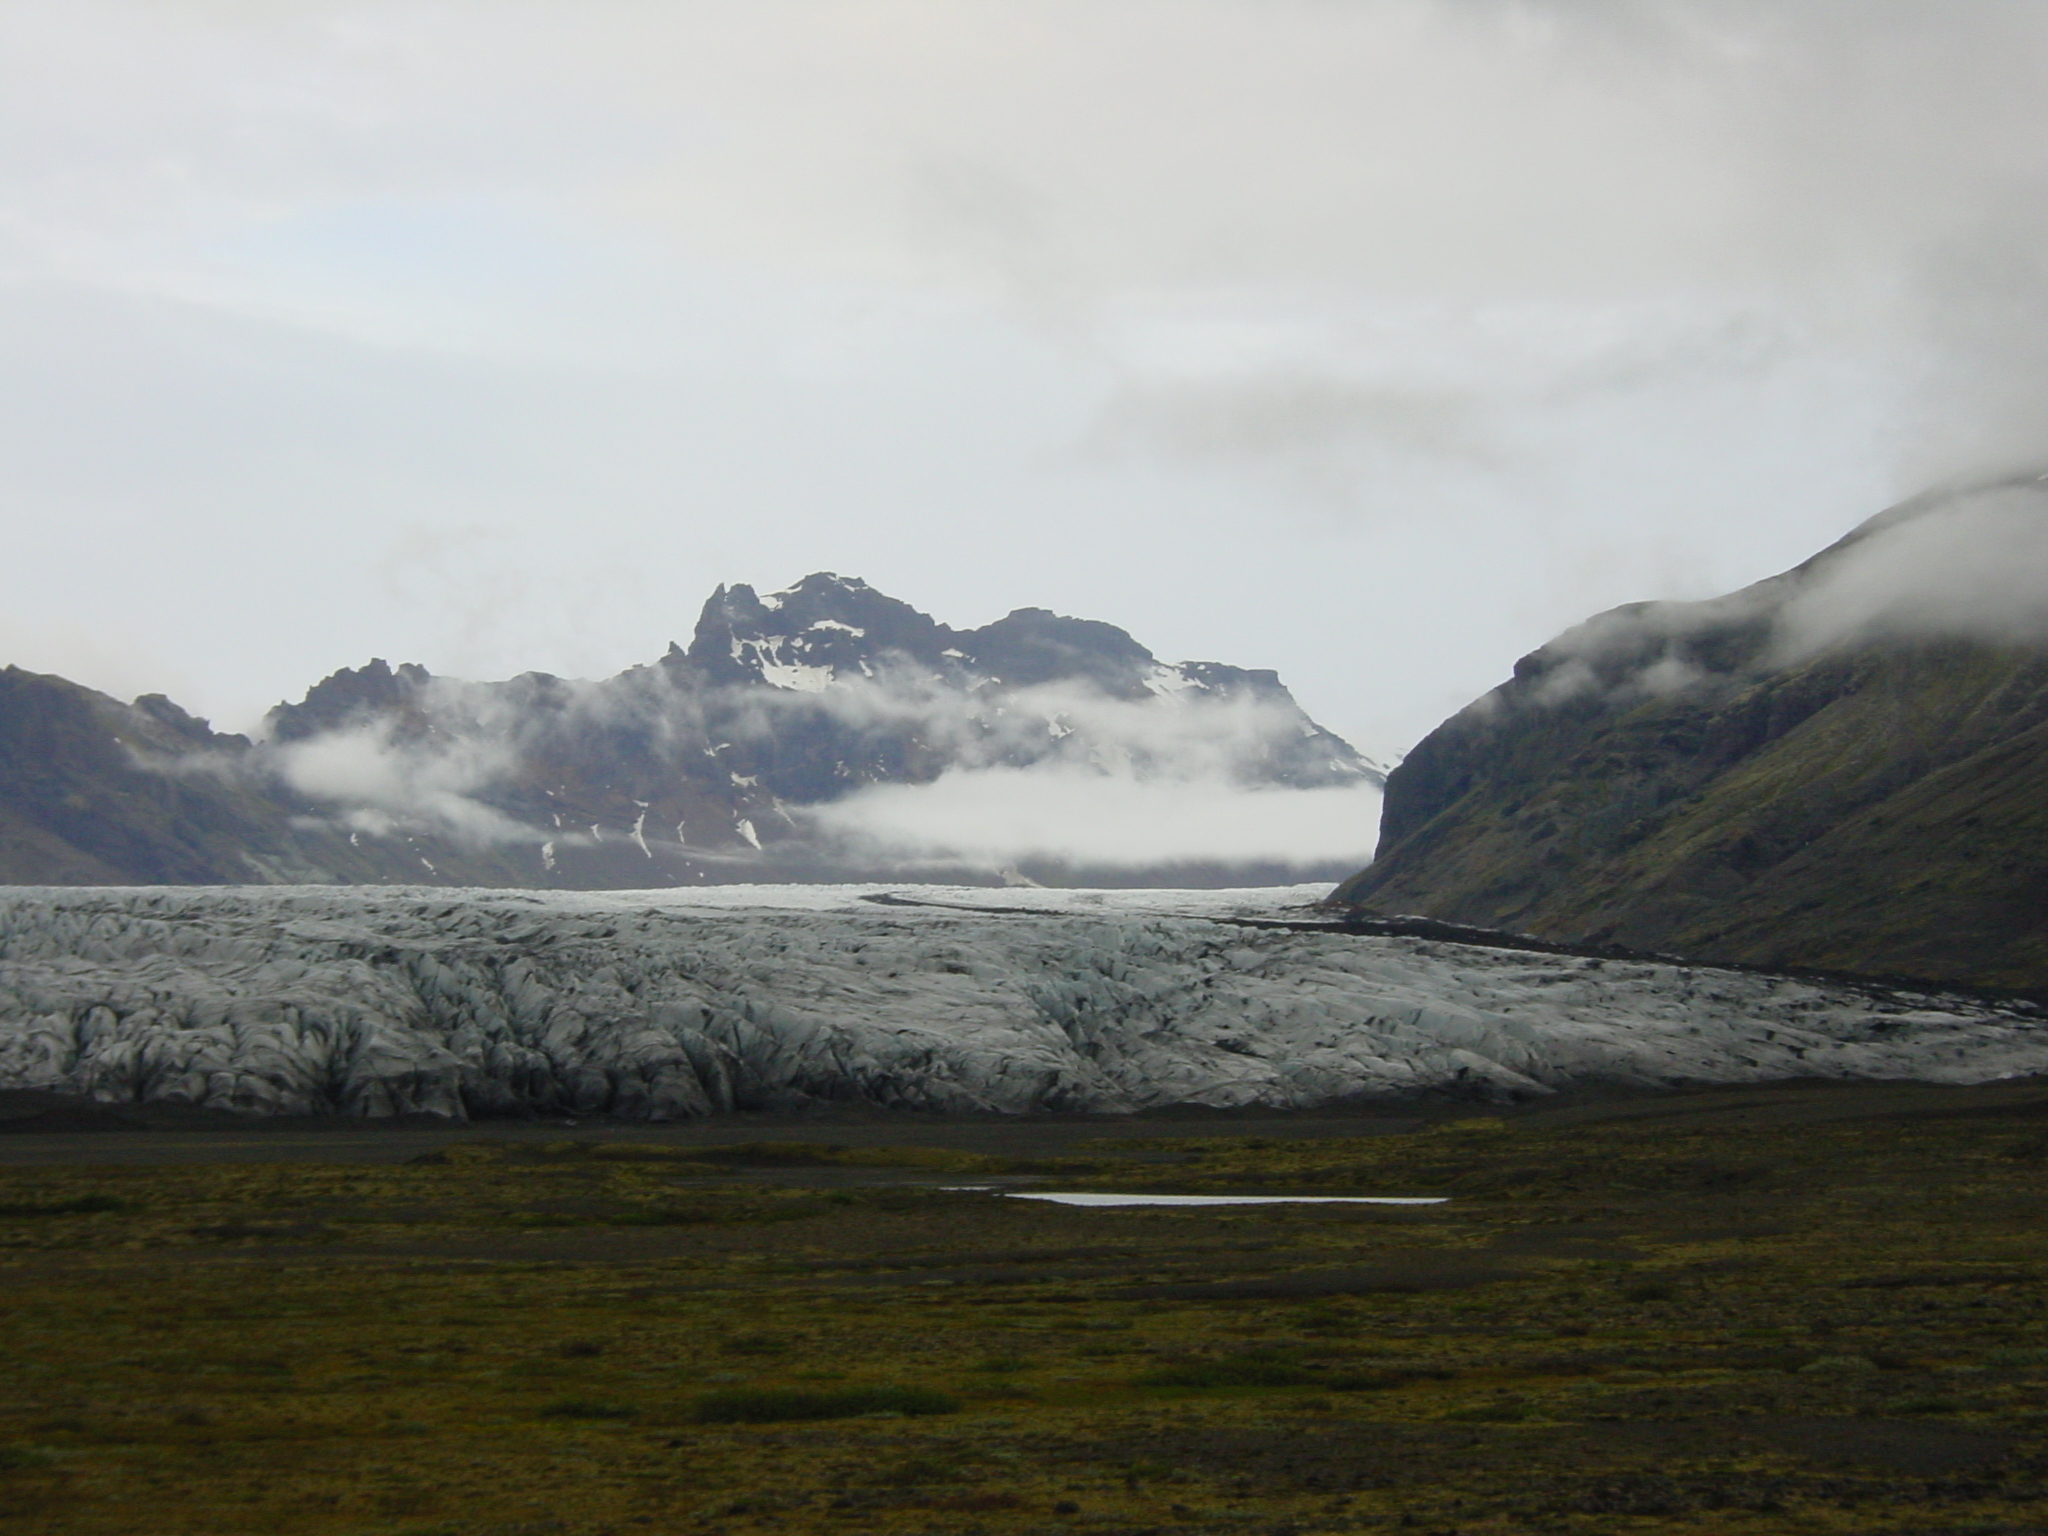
662 1005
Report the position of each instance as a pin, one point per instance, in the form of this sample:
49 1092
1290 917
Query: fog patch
386 786
1007 816
1966 564
1238 736
1972 567
203 763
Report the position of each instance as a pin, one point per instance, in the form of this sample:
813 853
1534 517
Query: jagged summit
829 627
711 764
351 696
801 638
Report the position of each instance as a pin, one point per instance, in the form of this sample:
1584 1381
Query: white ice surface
666 1004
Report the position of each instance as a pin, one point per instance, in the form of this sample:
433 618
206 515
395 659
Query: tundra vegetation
1784 1308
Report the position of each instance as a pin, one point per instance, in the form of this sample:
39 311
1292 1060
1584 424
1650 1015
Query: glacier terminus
667 1005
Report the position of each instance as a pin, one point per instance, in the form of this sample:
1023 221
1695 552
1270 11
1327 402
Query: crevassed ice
667 1004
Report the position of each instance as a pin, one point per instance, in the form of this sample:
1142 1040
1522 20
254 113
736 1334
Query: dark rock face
695 769
95 789
823 621
354 696
1688 778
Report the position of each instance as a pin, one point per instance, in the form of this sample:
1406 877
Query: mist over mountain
1844 766
824 732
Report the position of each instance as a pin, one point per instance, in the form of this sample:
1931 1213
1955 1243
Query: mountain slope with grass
94 791
1844 766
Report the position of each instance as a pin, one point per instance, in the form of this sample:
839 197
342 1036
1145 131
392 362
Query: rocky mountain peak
181 723
1032 646
802 638
352 697
716 763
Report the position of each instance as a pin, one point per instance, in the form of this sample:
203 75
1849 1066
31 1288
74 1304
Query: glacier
668 1005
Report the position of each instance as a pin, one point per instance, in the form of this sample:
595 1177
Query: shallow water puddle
1078 1197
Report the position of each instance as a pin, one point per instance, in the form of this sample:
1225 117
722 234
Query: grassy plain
1793 1309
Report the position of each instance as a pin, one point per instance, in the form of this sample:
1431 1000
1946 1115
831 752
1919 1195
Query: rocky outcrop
1845 766
664 1006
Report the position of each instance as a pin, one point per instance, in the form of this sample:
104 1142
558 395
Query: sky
1373 341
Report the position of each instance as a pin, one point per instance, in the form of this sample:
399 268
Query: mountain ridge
704 765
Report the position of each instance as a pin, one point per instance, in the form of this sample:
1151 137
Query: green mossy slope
1880 807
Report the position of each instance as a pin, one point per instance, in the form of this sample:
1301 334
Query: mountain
1844 766
708 765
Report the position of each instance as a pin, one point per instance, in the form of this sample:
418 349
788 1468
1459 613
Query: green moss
780 1405
1883 811
1255 1370
588 1408
437 1366
80 1205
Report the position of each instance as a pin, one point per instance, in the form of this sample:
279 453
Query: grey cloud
1325 428
1503 386
1754 237
1979 307
1072 815
377 784
1973 567
1126 783
1192 737
1966 563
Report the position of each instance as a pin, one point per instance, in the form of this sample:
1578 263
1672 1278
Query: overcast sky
1372 342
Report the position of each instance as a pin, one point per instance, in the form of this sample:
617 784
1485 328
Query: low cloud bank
1974 567
383 786
1179 731
1968 565
1010 816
